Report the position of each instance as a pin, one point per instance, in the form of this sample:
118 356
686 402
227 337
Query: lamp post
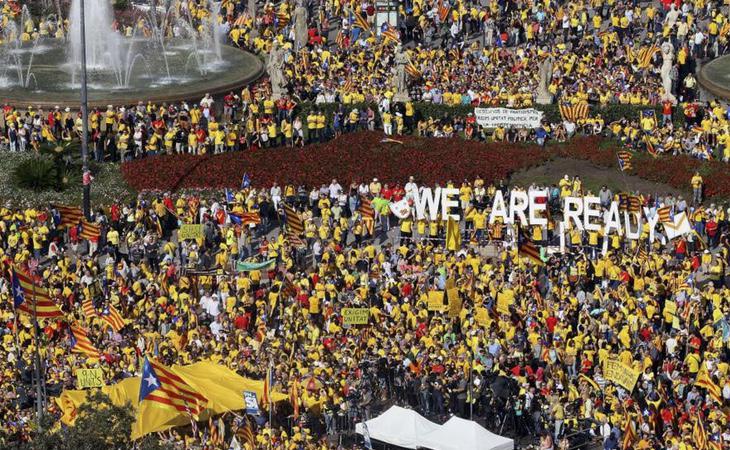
86 178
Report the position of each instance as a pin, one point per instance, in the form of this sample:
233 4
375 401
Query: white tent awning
460 434
398 426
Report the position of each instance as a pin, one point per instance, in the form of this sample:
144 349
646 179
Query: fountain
165 57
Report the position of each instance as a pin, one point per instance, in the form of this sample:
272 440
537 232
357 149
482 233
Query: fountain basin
192 73
715 76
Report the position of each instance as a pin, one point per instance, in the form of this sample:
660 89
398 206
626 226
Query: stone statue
666 71
544 97
400 78
275 68
300 17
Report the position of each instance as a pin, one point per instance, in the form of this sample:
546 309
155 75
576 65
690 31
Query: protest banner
89 378
506 117
190 231
355 316
436 300
621 374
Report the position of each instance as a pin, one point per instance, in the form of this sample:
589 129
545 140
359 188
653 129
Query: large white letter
424 197
447 203
590 212
518 204
535 207
498 208
612 219
652 219
572 214
634 234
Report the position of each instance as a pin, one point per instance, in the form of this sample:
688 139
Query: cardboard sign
194 231
436 301
482 316
454 302
621 374
89 378
355 316
251 402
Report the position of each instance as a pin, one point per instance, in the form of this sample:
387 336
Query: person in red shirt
666 112
387 192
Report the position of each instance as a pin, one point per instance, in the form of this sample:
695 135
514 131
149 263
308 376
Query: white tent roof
398 426
460 434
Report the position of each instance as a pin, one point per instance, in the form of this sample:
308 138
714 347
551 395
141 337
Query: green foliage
121 4
38 174
99 425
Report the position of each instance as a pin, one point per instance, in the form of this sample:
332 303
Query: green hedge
610 113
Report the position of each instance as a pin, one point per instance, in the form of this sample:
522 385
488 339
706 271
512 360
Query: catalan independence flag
650 146
413 71
705 381
68 216
443 11
294 222
573 113
368 213
90 231
629 434
391 35
645 56
111 316
624 160
266 396
360 22
526 248
699 434
160 385
80 342
32 299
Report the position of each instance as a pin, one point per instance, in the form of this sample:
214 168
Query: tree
99 425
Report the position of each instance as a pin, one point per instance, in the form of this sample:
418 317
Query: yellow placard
89 378
355 316
454 302
670 308
482 316
621 374
436 300
190 231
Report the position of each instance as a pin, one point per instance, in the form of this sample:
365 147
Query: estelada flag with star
31 298
161 387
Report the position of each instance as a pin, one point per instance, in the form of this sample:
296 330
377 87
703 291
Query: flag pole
37 356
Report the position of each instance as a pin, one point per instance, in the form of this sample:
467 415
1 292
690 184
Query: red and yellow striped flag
391 35
575 112
70 215
705 381
111 316
360 22
665 214
645 55
159 384
80 342
87 306
31 298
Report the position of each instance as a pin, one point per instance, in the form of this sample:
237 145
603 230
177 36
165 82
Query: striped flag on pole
111 316
665 214
87 306
624 160
69 215
32 299
360 22
80 342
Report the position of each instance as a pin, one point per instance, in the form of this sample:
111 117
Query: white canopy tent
398 426
460 434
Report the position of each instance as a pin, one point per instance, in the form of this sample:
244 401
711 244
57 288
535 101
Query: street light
86 179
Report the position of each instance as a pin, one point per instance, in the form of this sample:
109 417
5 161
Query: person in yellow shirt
696 184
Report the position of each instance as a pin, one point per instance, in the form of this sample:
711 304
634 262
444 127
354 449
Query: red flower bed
357 156
362 156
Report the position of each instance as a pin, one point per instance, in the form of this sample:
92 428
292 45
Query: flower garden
364 155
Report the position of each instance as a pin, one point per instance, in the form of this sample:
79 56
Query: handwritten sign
505 117
89 378
436 301
621 374
355 316
188 231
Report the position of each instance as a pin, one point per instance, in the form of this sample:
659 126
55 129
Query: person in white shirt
275 193
411 188
334 190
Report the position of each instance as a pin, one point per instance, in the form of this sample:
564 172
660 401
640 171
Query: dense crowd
525 351
459 54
